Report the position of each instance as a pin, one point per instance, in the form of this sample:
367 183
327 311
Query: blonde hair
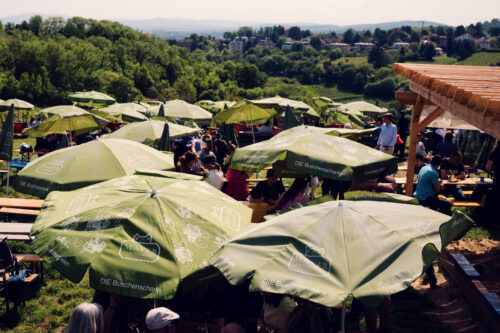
86 318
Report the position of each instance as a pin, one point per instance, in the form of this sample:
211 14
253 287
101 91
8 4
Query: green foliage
482 59
383 88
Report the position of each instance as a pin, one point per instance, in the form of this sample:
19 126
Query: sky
452 12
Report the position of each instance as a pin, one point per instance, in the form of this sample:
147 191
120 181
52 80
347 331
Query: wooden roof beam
408 98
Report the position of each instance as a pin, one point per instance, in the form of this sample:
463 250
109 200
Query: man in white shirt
388 135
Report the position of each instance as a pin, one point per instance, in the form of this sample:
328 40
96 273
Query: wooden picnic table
15 228
471 182
21 203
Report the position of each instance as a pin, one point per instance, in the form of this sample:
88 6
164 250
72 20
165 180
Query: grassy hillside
482 59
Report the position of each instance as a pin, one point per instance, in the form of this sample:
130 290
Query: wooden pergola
471 93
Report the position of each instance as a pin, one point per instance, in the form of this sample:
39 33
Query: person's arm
109 314
394 136
489 166
379 140
436 185
461 175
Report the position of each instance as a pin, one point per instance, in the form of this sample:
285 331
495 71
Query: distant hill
178 28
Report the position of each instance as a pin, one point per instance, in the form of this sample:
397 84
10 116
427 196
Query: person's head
455 158
161 320
448 137
257 195
419 137
210 163
86 318
221 146
304 318
206 142
419 160
51 136
271 178
378 121
347 125
436 161
298 187
190 159
387 118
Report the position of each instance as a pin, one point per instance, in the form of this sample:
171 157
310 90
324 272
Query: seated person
419 162
46 145
265 129
259 206
161 320
447 148
215 176
452 167
428 187
294 195
189 163
271 188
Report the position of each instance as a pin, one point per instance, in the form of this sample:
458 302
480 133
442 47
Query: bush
384 88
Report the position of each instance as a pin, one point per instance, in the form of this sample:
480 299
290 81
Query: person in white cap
160 320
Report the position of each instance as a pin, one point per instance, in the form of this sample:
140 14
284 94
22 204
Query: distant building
265 44
185 44
464 37
399 45
443 41
484 44
343 46
237 44
286 46
362 47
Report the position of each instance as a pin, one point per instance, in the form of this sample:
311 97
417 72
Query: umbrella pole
342 322
8 176
251 122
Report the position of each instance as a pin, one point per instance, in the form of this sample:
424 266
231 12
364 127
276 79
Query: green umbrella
289 120
127 112
137 236
89 163
62 110
372 196
91 98
244 112
161 112
150 131
282 103
327 252
57 124
7 142
177 109
164 144
308 151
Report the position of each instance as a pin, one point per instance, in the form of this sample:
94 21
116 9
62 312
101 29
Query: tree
316 43
295 33
427 51
349 36
185 89
248 76
378 57
459 31
35 24
384 88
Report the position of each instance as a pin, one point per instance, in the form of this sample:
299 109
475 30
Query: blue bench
18 163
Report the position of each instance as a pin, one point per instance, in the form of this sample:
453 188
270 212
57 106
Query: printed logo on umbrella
312 262
141 248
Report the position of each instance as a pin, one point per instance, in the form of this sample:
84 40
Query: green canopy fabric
7 136
164 144
63 111
91 98
298 106
327 252
362 107
161 111
322 101
372 196
127 112
308 151
244 112
58 124
150 131
137 236
178 109
19 104
167 174
215 107
289 120
89 163
350 133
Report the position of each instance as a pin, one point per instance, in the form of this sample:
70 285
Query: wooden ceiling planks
470 92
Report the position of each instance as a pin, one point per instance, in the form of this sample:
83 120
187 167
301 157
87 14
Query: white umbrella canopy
363 107
127 111
179 109
446 120
18 104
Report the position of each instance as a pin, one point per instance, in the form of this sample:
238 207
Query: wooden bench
21 203
473 204
33 259
19 211
21 238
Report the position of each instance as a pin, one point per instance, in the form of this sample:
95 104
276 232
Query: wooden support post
430 118
415 117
